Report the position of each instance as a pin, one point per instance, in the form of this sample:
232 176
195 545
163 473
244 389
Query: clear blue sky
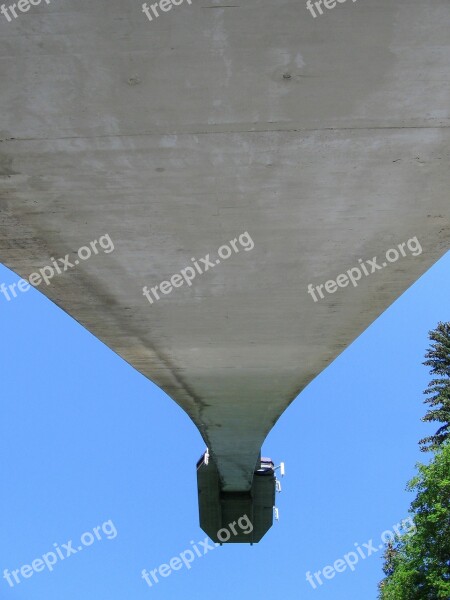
85 439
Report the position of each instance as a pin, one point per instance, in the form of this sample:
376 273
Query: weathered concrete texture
326 139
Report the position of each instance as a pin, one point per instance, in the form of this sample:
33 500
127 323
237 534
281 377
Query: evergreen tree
417 566
438 358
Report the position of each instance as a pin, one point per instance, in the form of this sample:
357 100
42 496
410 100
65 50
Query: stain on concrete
6 169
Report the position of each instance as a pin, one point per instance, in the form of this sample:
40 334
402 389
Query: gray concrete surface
326 139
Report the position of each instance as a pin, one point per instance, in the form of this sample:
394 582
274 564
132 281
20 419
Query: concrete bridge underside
326 139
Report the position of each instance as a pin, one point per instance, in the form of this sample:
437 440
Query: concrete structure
327 139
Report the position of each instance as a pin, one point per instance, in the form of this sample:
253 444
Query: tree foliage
438 391
417 566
